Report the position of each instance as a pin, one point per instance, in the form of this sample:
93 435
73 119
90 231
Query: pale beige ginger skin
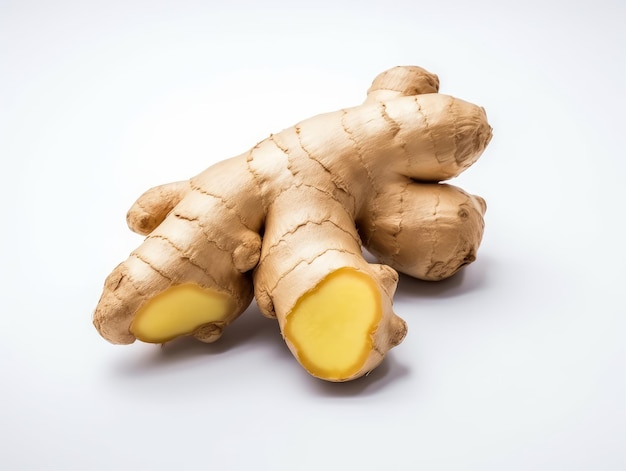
317 192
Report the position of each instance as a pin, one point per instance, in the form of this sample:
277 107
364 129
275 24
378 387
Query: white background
517 363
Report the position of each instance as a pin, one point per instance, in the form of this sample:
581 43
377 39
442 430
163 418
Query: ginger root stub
180 310
317 193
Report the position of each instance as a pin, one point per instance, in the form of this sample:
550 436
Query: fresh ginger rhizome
318 191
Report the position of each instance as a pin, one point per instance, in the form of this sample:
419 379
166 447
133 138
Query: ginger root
316 193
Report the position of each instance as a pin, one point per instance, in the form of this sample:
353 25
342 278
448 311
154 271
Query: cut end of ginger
180 310
331 326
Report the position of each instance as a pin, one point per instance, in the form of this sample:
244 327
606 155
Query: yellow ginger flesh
331 326
179 310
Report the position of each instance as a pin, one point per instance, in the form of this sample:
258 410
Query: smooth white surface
518 363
